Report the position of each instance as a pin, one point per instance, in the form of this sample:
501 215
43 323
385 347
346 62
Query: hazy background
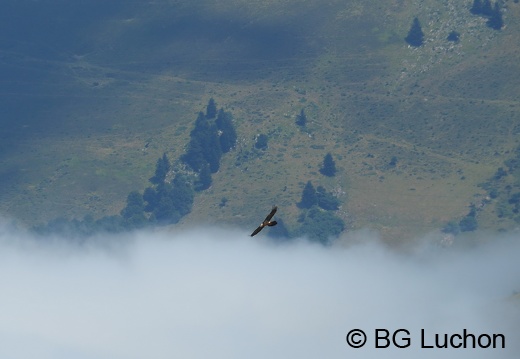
218 293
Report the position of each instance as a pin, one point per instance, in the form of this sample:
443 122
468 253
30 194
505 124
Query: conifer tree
301 119
212 150
194 156
476 8
204 145
495 20
133 213
308 196
487 9
415 35
321 226
453 36
150 198
326 200
228 135
182 194
468 224
169 202
211 109
200 124
165 212
161 170
328 167
261 142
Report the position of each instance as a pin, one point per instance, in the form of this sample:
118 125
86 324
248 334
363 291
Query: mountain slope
88 114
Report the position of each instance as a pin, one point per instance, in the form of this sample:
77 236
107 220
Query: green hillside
414 131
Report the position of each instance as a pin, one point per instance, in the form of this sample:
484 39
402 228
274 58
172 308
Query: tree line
503 193
492 13
317 219
484 8
166 202
212 136
171 192
172 188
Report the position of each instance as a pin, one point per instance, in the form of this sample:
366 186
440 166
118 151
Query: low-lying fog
215 293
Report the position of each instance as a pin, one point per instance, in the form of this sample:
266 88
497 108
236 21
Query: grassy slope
446 111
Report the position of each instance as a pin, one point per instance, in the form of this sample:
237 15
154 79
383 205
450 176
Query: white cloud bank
212 293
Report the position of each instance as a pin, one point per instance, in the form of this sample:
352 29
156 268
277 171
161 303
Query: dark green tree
223 202
228 135
211 109
151 199
476 8
469 223
495 20
415 36
328 167
453 36
261 142
183 194
212 149
309 197
326 200
194 156
161 170
514 201
487 9
201 124
513 164
165 211
301 119
500 173
169 202
321 226
204 145
133 213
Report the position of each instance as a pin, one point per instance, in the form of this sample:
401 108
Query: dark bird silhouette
267 221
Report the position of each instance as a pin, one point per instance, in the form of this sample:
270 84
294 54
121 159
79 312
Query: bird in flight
267 221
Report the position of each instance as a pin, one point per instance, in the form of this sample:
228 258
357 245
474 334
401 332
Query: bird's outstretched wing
266 222
270 215
257 230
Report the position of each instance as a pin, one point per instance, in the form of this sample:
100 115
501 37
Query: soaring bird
267 221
